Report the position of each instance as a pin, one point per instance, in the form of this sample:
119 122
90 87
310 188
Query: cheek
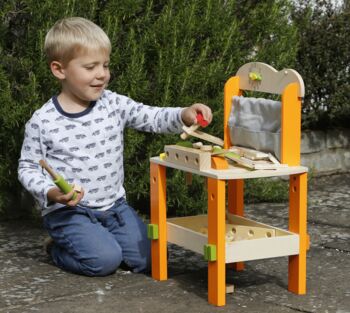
108 76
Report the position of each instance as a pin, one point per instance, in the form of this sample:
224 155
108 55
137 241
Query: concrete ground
30 283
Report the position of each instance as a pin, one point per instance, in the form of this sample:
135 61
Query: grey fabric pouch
256 123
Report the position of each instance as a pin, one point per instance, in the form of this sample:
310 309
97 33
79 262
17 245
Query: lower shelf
189 232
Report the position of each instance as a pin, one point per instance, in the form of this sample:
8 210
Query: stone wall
326 152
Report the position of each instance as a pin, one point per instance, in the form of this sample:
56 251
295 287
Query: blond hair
72 36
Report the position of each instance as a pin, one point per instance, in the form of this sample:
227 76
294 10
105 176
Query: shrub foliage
165 53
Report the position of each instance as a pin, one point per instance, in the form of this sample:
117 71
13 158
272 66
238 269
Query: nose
102 72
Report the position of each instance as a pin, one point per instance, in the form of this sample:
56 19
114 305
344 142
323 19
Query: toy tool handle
57 179
64 186
44 165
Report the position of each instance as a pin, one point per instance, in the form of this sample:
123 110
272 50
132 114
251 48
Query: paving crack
289 307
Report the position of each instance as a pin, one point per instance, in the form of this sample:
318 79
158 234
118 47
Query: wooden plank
185 232
235 232
204 136
234 172
189 157
272 81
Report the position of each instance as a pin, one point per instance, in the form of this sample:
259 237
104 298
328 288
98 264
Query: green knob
255 76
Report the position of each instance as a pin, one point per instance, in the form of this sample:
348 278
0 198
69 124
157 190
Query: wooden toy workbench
186 231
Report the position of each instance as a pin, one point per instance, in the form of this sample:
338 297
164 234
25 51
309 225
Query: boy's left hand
189 114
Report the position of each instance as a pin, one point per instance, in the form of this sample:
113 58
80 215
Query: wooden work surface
234 172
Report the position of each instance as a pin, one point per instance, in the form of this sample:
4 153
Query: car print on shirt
90 145
99 155
34 126
54 131
80 136
85 180
74 149
65 139
98 120
70 126
95 190
88 123
84 158
68 159
93 168
60 118
101 178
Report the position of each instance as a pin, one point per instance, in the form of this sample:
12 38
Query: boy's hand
56 195
189 114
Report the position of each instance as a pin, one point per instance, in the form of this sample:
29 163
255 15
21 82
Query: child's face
86 76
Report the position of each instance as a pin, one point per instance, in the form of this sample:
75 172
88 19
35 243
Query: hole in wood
294 189
251 232
196 161
186 158
153 179
233 230
167 153
176 156
268 234
212 196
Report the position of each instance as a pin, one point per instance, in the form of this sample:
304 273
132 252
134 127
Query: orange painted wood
298 224
235 202
219 163
158 217
231 89
216 236
291 125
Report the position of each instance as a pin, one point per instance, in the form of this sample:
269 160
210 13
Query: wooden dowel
48 169
192 128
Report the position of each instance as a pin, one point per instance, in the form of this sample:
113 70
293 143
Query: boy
79 133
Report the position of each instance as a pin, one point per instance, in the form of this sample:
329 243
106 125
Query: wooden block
188 157
250 153
203 136
208 148
198 145
152 231
77 188
209 252
229 288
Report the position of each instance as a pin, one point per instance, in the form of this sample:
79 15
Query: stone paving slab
30 283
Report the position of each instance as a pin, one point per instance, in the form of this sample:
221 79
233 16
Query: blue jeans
95 243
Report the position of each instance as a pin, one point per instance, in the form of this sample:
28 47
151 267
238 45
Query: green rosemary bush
165 53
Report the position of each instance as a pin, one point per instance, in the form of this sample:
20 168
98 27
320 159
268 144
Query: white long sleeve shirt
86 148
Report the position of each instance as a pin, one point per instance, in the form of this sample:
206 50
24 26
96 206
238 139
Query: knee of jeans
143 264
104 264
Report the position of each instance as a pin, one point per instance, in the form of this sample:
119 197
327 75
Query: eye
106 65
90 67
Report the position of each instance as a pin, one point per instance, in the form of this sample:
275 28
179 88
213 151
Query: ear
57 70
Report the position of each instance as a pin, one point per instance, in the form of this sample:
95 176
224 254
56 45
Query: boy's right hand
56 195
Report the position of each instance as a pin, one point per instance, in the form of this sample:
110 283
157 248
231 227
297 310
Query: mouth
97 86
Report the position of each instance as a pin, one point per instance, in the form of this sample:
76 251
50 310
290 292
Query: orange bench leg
158 217
297 224
216 236
235 203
